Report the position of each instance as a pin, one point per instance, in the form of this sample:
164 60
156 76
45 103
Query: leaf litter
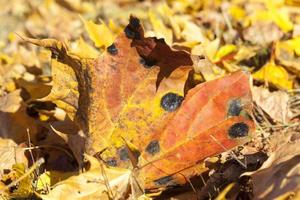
156 103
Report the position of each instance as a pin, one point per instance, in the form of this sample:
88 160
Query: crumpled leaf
274 74
280 173
10 154
273 103
206 68
100 182
262 33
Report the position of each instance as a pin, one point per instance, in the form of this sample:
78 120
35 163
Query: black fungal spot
164 180
171 101
124 155
238 130
112 49
153 147
234 108
111 162
147 63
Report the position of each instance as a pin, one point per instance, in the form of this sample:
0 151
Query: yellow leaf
64 92
84 50
99 33
293 44
160 30
287 53
224 51
281 19
49 178
237 12
190 32
275 74
24 187
114 27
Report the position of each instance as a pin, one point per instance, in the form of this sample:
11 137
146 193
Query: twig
49 146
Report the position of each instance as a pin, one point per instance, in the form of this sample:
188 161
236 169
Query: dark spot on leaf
164 180
234 108
238 130
111 162
147 63
112 49
171 101
153 147
124 155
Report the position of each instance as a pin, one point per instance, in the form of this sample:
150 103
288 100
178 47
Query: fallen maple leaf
132 106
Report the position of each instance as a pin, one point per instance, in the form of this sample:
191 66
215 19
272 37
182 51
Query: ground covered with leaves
126 99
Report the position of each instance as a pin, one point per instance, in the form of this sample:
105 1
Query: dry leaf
285 54
99 182
262 33
16 125
10 154
274 74
11 102
273 103
280 173
144 108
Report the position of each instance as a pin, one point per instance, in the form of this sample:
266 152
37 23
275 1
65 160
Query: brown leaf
10 154
262 33
280 173
273 103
